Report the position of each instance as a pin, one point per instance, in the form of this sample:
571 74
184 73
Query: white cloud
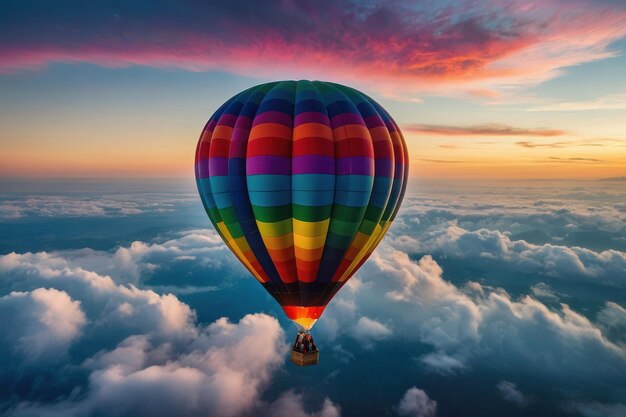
443 363
415 403
102 299
367 330
608 266
144 353
139 260
290 404
88 206
220 371
612 320
445 315
478 323
551 211
39 325
544 291
510 392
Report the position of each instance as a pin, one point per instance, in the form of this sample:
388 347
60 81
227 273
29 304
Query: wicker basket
305 359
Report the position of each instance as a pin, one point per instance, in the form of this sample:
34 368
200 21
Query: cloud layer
478 322
88 206
608 266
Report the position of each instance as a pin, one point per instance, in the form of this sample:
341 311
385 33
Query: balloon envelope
301 179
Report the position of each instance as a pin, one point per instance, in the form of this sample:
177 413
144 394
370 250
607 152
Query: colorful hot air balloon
302 180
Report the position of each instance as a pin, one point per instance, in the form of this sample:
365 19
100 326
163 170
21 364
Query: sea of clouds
97 332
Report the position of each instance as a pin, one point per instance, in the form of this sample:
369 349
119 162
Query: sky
516 88
499 290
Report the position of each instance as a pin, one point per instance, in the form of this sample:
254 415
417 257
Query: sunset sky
499 288
488 90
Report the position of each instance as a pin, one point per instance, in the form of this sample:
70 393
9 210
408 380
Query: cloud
97 342
212 373
203 245
415 403
573 160
126 307
397 47
542 290
366 330
64 206
479 325
542 145
508 391
612 320
139 261
441 161
492 129
43 323
596 409
608 102
608 266
443 363
543 214
290 404
597 142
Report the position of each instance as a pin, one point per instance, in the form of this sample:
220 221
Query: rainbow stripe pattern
301 179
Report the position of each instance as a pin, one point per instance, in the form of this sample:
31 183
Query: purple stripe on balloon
313 164
347 119
203 168
399 170
311 117
218 166
374 121
268 164
384 167
273 117
228 120
355 165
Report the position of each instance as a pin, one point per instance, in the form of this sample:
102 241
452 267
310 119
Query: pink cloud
397 49
492 129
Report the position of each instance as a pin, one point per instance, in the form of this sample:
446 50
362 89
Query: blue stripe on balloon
263 182
312 198
313 182
270 198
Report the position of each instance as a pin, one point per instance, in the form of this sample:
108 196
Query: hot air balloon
302 180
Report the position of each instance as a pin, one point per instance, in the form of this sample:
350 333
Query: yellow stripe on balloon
367 248
275 229
242 244
309 242
310 228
